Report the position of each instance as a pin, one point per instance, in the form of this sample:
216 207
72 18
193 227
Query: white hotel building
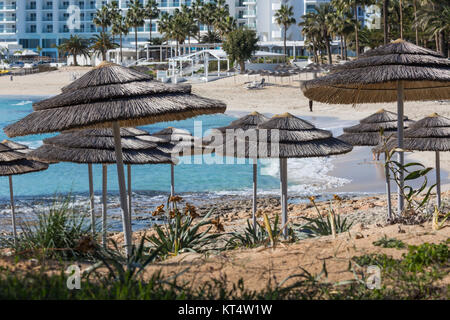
44 23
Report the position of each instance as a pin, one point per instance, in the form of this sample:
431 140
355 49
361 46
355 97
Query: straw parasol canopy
96 146
285 136
374 77
114 96
247 122
399 71
431 133
13 162
368 131
179 142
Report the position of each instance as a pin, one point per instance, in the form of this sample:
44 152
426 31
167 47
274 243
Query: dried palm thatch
431 133
88 146
91 139
179 141
368 131
13 161
284 136
113 93
99 156
374 77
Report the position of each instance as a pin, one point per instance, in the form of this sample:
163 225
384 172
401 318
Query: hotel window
33 28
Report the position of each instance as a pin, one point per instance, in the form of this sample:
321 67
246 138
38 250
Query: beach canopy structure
285 136
431 133
236 127
397 72
368 133
180 142
96 146
114 96
13 162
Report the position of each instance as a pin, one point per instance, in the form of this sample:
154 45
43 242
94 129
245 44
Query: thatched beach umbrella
399 71
431 133
236 127
286 136
96 146
182 143
114 96
368 133
13 162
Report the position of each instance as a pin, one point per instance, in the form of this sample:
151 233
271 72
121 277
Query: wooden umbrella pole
13 211
105 199
255 187
283 178
91 198
172 180
122 188
388 189
401 156
438 179
129 192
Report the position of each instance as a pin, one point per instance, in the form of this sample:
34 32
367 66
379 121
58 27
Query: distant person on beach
11 78
310 105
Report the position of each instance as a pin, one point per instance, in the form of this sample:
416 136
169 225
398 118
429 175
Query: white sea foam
22 103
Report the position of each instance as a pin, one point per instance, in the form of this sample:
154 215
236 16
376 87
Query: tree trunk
415 21
443 49
75 62
327 43
385 21
285 36
345 48
150 40
341 47
135 39
121 54
356 31
401 18
242 65
436 39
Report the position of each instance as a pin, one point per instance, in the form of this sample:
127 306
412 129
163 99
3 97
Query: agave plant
180 234
253 236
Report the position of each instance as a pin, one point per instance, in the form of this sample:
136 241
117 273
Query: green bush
385 242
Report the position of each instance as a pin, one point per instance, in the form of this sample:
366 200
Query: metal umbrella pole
104 200
401 156
91 198
255 187
13 212
438 179
122 189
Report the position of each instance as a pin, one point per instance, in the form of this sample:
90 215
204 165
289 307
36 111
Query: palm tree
101 44
285 17
191 27
197 13
207 15
75 46
120 28
341 24
114 11
352 6
385 20
135 19
151 12
311 32
223 21
435 17
102 18
325 16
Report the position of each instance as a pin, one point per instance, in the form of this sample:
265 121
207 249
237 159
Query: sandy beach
278 96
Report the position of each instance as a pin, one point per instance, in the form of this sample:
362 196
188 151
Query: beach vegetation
326 223
284 17
181 234
60 231
386 242
75 46
399 280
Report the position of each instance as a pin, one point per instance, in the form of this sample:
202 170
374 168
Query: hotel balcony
249 14
239 4
249 2
8 19
8 31
7 8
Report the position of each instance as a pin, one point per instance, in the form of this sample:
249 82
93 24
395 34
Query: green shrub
321 226
57 232
385 242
